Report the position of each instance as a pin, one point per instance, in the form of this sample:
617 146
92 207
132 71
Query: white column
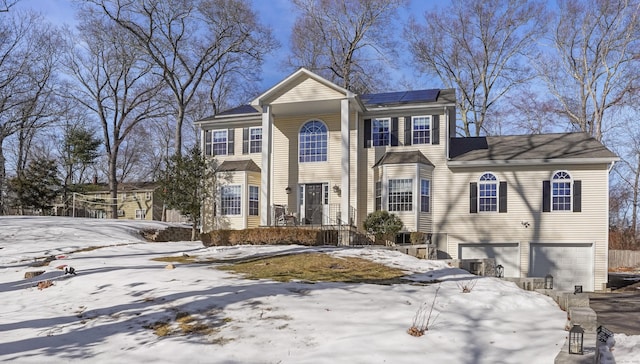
265 189
345 133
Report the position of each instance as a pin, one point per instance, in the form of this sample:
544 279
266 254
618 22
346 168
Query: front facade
308 152
135 201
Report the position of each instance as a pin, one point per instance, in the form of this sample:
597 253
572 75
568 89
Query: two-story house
315 153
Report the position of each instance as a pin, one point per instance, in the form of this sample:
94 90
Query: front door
313 203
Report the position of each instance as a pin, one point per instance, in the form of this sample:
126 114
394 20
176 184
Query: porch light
548 282
499 271
288 190
576 340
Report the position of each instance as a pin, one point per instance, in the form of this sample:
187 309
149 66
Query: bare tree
114 83
5 5
27 60
479 48
595 60
193 40
350 42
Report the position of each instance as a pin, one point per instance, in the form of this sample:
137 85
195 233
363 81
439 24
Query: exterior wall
253 179
127 206
308 90
524 198
436 153
289 172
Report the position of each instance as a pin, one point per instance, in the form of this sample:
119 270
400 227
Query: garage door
569 264
508 255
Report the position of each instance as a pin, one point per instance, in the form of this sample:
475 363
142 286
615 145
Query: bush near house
269 236
383 225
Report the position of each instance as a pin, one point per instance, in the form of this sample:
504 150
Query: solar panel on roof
401 97
420 95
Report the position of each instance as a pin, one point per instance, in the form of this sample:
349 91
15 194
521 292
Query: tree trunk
3 175
113 184
178 136
634 212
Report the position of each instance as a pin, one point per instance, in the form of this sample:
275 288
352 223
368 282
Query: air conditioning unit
120 213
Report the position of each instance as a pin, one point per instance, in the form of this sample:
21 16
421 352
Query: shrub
268 236
383 225
417 237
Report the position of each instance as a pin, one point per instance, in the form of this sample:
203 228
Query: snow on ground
106 313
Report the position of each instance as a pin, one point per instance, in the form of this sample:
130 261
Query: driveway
618 311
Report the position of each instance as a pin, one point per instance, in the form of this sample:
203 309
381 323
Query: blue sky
279 14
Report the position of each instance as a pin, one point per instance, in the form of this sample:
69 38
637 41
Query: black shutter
367 133
435 130
407 130
230 137
577 196
245 140
502 198
546 196
473 197
394 132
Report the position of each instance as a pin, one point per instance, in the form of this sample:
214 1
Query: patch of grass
160 328
189 325
317 267
176 259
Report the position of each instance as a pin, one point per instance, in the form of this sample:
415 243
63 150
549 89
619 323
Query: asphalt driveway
618 311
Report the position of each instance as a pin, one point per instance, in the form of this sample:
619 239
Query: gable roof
239 110
247 165
577 147
412 156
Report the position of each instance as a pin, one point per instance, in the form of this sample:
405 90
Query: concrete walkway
589 351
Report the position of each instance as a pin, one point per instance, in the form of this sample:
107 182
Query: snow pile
120 299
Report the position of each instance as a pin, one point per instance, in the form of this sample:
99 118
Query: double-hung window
561 191
488 193
230 200
219 142
400 195
255 140
421 129
254 198
380 132
425 195
378 196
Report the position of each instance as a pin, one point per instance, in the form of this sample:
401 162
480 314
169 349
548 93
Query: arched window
313 142
488 193
561 191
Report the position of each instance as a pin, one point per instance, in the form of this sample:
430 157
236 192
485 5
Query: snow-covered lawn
108 311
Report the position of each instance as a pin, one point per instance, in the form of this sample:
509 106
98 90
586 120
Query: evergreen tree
185 185
383 225
80 149
37 186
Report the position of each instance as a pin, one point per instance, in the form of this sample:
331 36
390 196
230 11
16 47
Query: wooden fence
624 258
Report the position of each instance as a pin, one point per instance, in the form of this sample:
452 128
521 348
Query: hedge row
269 236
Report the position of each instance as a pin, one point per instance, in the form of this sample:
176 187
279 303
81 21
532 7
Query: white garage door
507 255
569 264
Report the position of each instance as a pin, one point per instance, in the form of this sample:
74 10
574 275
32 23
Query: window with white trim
421 129
400 195
147 196
488 193
378 196
141 214
230 200
254 198
561 191
219 142
255 140
380 132
425 195
313 142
